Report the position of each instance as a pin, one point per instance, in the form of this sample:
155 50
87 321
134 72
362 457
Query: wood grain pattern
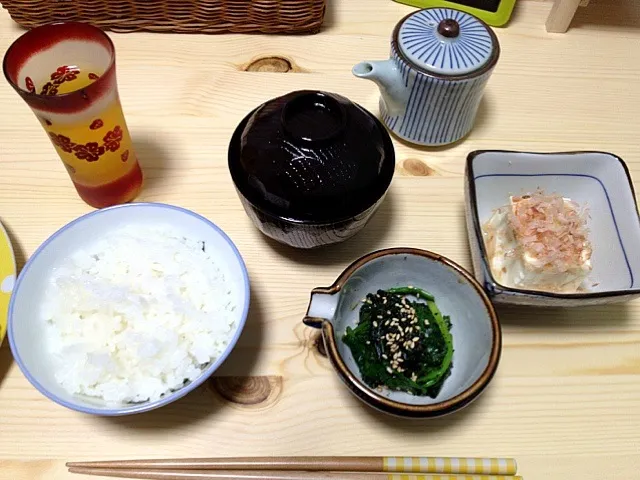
252 392
270 64
566 399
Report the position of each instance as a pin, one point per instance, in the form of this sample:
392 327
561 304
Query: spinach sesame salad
401 344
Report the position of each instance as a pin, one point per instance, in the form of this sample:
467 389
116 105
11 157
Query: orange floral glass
66 72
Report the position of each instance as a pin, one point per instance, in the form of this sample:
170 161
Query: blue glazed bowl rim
169 398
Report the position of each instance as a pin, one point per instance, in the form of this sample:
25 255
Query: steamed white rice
138 314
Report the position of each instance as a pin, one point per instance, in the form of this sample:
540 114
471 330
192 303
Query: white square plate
600 181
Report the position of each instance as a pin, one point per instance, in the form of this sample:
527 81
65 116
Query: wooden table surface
566 399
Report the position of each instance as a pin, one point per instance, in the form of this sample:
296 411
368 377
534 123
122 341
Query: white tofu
512 265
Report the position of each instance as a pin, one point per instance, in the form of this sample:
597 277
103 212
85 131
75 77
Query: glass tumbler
66 72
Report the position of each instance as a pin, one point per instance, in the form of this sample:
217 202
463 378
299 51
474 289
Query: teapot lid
446 41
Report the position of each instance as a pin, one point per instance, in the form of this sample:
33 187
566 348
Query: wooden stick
562 12
268 475
472 466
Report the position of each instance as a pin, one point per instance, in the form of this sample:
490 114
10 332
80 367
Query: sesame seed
379 317
415 339
387 322
368 342
400 360
385 356
389 370
375 324
388 312
398 305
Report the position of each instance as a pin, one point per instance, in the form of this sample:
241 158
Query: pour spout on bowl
322 307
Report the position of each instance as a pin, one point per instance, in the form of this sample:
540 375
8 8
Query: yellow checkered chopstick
481 466
170 474
404 476
459 466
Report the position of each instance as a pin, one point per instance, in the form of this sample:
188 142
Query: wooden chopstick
269 475
447 465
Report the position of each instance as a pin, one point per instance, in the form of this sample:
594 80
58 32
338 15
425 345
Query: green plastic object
493 12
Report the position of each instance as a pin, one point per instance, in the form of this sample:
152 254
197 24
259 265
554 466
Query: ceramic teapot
431 87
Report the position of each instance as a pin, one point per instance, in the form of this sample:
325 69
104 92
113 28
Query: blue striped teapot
431 87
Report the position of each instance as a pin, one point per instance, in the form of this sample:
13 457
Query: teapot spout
387 76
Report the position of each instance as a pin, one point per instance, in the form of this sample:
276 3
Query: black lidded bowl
311 167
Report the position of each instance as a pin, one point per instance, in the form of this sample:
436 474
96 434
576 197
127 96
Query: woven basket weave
179 16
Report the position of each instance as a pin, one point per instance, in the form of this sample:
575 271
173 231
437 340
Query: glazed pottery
598 181
475 328
311 167
66 72
26 321
431 87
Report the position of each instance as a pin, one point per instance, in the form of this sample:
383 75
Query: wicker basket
179 16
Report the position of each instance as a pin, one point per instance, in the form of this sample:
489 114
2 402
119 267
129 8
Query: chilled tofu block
539 242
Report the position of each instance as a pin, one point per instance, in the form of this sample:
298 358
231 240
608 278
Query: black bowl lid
311 156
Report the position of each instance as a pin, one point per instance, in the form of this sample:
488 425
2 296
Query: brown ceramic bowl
476 333
311 167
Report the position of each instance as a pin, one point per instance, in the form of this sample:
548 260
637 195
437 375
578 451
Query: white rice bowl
137 315
128 308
